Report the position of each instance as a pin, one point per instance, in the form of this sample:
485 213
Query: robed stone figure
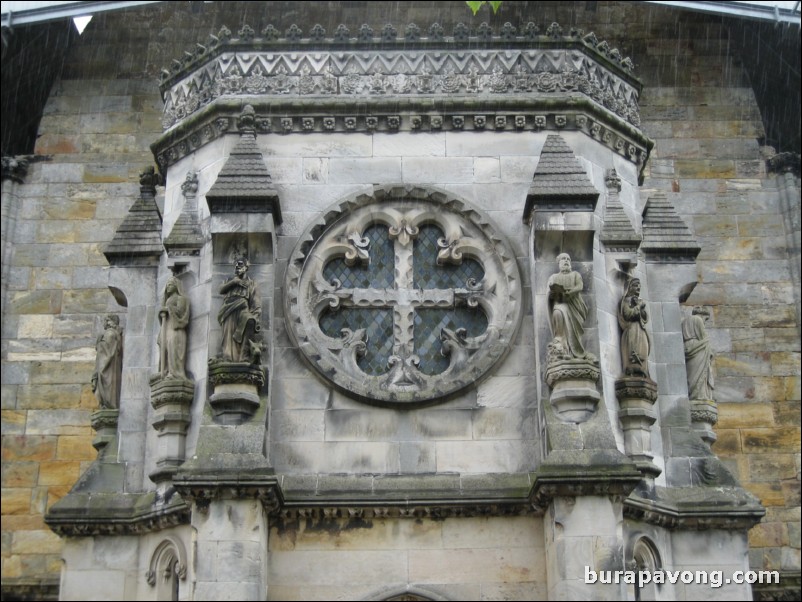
568 311
107 378
174 320
635 343
698 355
240 315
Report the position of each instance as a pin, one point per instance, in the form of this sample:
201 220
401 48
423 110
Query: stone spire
665 236
186 237
560 182
244 185
138 240
617 234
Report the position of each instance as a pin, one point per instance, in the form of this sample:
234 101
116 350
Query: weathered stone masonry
58 218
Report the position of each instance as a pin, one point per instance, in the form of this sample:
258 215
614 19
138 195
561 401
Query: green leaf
495 5
475 6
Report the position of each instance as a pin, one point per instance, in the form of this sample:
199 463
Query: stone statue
174 320
107 377
698 356
635 343
568 311
240 315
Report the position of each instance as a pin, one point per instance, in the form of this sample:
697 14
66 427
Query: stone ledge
90 514
696 508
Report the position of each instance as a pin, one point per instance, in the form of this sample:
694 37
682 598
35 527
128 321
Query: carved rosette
236 388
704 415
636 397
401 213
171 399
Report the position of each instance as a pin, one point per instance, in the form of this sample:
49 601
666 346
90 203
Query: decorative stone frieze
532 81
247 65
431 303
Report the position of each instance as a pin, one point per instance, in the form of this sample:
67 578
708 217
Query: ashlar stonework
350 368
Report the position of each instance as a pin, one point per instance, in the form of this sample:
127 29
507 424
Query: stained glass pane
377 274
378 324
426 272
428 325
430 322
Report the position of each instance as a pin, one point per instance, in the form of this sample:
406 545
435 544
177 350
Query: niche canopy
514 79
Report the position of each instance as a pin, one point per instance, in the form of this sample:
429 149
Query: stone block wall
706 125
465 558
94 137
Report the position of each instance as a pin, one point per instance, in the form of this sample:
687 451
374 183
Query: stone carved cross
403 298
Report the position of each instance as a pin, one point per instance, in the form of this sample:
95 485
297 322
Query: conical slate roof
244 185
139 238
665 235
560 182
617 232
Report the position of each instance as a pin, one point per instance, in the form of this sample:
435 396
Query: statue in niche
240 316
174 320
107 378
698 355
635 343
568 313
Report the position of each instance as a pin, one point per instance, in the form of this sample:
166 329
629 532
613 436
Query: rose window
404 296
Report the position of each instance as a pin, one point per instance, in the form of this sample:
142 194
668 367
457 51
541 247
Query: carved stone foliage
386 64
407 73
403 296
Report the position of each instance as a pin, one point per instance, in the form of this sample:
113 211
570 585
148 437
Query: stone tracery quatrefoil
403 296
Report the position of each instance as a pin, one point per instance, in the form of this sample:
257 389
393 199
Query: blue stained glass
428 324
426 272
377 274
378 324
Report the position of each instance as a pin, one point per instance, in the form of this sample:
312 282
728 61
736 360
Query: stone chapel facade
428 311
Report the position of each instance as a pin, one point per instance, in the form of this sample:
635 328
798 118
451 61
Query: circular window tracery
403 296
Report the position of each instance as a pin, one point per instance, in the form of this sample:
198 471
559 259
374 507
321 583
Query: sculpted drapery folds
698 355
240 315
107 377
174 320
635 343
568 310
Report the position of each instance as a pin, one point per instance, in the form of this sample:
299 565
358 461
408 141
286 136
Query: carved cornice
272 43
415 509
515 83
689 515
202 488
116 514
